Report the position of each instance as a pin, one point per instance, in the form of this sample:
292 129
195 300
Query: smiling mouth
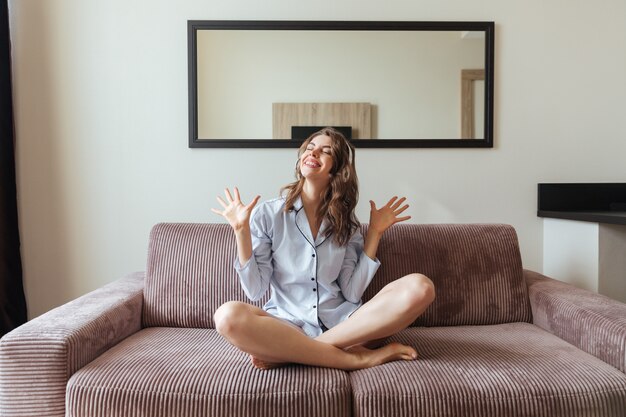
311 164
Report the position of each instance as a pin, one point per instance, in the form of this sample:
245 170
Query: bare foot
388 353
358 349
260 364
363 357
372 344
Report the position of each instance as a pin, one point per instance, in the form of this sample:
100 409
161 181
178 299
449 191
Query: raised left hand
386 216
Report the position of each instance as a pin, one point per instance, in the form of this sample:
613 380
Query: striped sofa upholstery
476 268
498 341
189 274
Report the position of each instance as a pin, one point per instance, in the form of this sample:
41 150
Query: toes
405 352
409 357
263 365
257 363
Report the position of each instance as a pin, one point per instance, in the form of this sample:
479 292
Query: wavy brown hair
343 191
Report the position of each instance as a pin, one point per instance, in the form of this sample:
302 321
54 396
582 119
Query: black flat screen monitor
303 132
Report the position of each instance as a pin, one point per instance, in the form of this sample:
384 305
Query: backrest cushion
189 274
476 269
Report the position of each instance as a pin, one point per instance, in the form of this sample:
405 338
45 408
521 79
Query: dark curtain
12 302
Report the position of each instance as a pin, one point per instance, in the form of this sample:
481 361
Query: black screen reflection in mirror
393 84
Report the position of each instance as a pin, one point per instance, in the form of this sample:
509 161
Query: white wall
101 119
586 254
571 251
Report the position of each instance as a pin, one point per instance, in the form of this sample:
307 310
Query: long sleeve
313 281
357 270
255 274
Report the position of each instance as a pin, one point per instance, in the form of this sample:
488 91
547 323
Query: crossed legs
272 341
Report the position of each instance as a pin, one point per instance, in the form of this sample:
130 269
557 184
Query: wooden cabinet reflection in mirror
357 115
468 114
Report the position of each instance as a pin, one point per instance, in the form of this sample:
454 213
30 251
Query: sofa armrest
592 322
38 358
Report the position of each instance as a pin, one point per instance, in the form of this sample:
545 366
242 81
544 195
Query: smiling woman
307 250
400 83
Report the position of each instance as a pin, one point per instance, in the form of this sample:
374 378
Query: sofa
498 340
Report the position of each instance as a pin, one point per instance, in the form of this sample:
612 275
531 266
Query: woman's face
316 162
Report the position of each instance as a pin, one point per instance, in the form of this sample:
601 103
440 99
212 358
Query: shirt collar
303 224
297 204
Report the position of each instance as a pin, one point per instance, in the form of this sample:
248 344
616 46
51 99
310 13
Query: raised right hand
235 212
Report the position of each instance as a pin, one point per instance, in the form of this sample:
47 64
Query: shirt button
313 255
314 306
312 279
314 290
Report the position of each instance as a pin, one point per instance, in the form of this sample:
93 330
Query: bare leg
270 340
258 363
394 308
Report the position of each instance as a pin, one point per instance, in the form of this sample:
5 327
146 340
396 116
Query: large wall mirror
387 84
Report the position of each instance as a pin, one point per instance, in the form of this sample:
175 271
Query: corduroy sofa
498 340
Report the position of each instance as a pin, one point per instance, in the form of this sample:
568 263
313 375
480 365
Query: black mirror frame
194 25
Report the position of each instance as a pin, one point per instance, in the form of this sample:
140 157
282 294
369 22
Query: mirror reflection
382 84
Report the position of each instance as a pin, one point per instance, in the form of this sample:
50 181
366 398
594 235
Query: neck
311 195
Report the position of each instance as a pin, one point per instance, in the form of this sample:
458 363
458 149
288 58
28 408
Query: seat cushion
194 372
513 369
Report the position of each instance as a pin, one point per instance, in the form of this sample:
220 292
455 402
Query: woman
307 248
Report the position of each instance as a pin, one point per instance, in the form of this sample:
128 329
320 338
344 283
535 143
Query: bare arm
244 244
238 216
380 220
371 243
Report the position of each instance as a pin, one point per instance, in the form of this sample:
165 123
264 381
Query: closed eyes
326 149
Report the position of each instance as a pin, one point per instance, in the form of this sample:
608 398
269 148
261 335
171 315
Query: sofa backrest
476 269
189 274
